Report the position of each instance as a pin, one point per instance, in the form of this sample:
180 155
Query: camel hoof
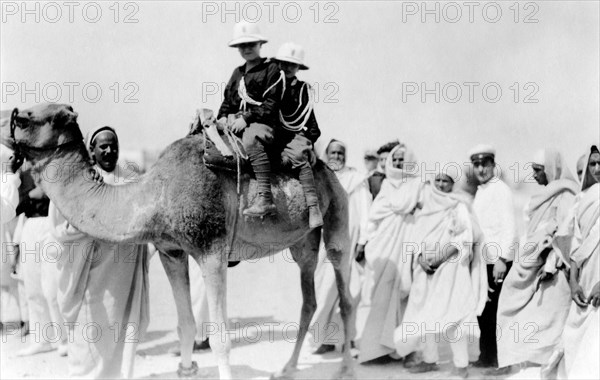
285 374
186 373
346 372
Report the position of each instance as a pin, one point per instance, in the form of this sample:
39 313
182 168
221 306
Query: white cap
482 151
452 171
291 52
244 32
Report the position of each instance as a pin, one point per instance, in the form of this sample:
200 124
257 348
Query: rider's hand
238 125
222 122
14 163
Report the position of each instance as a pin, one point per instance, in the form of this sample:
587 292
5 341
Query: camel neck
103 211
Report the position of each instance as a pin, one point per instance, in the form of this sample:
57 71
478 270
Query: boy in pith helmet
253 95
299 128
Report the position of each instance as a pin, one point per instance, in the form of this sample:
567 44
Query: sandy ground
261 294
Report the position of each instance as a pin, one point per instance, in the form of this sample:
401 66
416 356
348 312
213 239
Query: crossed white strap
300 122
246 99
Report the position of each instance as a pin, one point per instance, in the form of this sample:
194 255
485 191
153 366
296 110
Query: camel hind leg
306 255
176 267
337 244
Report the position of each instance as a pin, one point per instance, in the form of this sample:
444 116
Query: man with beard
327 320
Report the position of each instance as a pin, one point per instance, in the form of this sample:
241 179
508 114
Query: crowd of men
433 263
430 263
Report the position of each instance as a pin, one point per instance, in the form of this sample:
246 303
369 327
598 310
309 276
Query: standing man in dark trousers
493 206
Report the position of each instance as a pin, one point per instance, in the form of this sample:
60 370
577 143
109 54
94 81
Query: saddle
224 151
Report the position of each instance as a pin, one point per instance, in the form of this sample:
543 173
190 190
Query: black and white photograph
300 189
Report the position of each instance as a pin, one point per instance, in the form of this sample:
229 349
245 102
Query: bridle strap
13 125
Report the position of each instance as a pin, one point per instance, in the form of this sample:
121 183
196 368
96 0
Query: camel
184 208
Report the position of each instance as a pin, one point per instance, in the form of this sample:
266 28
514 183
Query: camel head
44 127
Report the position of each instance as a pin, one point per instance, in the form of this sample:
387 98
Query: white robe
9 295
449 300
532 314
581 335
388 269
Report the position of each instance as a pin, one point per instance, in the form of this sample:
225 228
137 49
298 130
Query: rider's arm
230 90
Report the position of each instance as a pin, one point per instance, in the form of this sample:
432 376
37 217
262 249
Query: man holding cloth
493 207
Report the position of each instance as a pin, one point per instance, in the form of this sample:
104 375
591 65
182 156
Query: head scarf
558 175
588 178
554 165
350 178
410 169
331 142
454 171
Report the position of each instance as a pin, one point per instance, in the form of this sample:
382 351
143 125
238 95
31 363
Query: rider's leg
254 139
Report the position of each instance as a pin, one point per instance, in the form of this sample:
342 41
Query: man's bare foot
35 349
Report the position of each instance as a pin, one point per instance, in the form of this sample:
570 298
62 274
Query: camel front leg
214 271
306 256
176 266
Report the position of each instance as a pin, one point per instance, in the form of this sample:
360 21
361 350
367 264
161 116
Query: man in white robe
581 334
536 297
9 307
388 256
326 328
449 282
103 287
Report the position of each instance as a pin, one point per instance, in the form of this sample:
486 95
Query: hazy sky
365 59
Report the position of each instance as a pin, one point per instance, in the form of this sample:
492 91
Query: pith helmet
244 32
291 52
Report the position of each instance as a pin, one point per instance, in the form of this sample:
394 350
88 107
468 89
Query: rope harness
246 99
288 121
299 123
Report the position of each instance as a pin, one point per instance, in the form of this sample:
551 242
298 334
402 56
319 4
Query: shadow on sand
242 332
237 372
